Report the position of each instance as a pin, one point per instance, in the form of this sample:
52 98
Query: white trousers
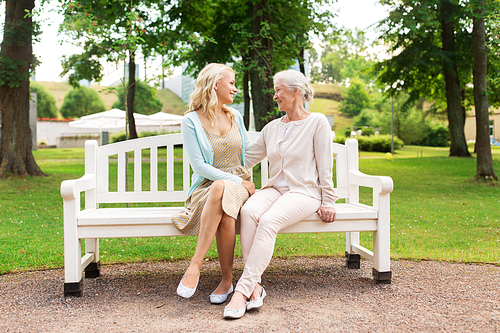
263 215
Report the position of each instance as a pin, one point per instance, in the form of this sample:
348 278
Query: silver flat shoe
233 314
258 302
219 299
184 291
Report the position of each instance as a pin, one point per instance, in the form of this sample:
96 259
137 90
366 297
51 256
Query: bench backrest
155 156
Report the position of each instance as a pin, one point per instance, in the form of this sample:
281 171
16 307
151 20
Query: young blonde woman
299 150
215 140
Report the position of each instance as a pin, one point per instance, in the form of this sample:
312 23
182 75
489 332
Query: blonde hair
295 80
204 96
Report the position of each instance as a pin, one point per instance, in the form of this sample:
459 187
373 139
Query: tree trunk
131 96
16 57
484 163
301 60
246 100
455 111
261 75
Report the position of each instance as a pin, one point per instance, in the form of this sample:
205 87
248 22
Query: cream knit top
306 161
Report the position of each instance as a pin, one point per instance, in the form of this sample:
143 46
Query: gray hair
295 80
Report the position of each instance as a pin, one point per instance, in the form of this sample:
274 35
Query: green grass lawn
438 212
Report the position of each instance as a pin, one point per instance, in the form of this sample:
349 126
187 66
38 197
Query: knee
248 215
245 211
270 225
227 222
217 188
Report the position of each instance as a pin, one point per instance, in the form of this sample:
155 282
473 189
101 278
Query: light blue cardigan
200 152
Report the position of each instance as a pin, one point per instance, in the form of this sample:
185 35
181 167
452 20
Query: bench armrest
380 184
70 189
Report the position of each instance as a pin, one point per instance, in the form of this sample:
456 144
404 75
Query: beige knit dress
227 157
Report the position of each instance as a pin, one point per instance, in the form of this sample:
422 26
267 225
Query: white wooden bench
104 183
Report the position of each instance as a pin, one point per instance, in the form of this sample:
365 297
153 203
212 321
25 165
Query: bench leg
73 285
382 277
353 260
93 270
382 246
72 252
73 289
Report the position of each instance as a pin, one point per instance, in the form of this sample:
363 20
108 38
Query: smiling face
284 96
226 89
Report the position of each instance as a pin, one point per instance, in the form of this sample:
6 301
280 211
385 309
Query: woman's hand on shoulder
327 214
249 186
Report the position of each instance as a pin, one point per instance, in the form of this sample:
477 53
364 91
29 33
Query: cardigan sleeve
322 142
200 165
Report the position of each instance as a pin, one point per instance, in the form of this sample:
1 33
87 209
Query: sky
351 14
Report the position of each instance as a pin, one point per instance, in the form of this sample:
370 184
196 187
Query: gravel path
304 295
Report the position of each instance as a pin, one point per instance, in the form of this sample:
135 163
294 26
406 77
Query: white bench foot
382 277
93 270
73 289
353 260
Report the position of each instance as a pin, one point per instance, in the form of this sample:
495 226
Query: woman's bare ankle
223 287
256 292
238 301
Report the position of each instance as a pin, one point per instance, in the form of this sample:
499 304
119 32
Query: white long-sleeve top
306 161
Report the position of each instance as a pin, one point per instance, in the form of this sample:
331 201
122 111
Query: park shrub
120 136
377 143
81 102
117 137
341 139
356 99
380 143
45 101
436 135
367 131
145 99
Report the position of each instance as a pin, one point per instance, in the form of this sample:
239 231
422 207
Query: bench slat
154 168
168 230
162 215
138 170
144 196
121 172
170 168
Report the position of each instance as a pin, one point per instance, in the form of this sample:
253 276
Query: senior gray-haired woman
299 149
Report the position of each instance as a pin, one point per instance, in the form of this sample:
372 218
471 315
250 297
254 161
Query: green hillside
60 89
171 102
327 99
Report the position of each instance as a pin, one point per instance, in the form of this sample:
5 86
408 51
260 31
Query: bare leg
226 238
210 219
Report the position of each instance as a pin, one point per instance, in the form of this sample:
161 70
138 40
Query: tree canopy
344 56
113 31
258 37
